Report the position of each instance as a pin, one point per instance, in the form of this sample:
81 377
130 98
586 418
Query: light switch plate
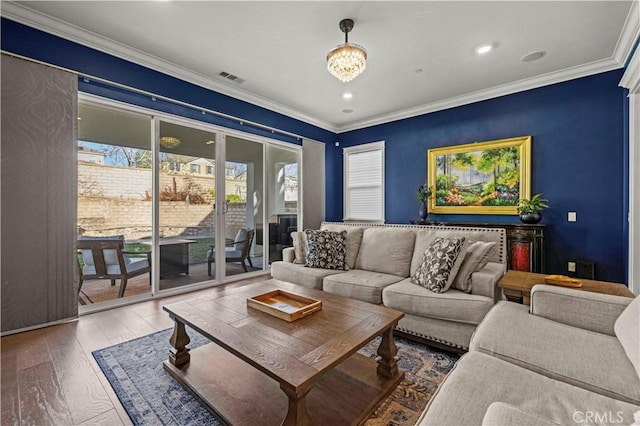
571 266
572 217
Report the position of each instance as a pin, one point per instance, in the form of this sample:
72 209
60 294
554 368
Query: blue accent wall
578 163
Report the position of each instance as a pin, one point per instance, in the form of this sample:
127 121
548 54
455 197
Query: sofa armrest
485 281
590 311
288 254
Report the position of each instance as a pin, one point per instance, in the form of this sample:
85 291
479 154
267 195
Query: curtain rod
154 96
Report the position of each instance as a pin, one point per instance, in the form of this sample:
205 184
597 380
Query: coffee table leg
387 364
179 355
297 414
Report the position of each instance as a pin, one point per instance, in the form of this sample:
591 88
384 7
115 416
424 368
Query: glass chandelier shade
347 60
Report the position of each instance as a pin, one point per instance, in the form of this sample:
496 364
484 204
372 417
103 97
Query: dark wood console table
525 243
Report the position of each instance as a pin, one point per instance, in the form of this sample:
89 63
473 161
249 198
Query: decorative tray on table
285 305
562 280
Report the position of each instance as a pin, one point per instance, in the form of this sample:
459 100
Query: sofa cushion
478 380
500 413
358 284
299 240
476 258
452 305
627 329
326 249
301 275
386 250
440 264
354 238
573 355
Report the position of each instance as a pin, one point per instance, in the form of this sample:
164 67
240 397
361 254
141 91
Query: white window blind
364 182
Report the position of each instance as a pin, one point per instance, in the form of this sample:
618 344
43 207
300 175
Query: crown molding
24 15
494 92
630 33
631 77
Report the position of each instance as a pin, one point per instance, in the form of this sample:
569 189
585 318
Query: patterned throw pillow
299 247
326 249
436 272
476 258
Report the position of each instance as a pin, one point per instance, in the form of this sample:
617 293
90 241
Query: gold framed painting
480 178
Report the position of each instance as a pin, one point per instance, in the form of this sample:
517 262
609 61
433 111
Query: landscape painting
480 178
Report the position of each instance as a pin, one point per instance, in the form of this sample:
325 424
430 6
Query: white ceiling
279 48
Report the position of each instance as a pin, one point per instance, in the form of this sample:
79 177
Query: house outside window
209 170
364 182
195 168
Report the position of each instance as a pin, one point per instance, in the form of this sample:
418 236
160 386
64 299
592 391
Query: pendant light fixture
347 60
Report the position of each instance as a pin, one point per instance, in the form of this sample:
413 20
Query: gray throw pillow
476 258
440 263
326 249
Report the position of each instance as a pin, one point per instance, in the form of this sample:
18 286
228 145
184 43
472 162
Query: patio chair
105 258
236 250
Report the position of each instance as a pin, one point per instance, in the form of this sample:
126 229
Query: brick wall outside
135 183
101 216
116 200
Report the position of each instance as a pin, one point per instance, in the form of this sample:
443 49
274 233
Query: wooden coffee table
261 370
518 284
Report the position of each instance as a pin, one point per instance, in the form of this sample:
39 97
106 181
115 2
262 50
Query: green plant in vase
423 194
531 209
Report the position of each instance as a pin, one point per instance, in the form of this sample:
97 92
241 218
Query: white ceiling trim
494 92
631 77
79 35
24 15
630 33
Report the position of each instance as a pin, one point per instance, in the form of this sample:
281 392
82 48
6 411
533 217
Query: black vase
531 218
423 211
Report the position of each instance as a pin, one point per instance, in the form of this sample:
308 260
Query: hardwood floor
49 377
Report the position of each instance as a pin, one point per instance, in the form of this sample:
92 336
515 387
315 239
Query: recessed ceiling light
533 56
418 70
347 95
347 111
485 48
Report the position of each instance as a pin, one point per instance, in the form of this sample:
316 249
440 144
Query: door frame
631 81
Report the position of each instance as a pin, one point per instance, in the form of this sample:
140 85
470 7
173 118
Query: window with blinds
364 182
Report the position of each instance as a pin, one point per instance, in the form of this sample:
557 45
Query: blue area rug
152 397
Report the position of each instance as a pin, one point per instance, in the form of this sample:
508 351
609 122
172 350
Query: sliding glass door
243 205
186 196
193 204
114 171
283 192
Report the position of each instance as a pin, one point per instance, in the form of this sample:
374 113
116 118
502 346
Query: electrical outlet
571 266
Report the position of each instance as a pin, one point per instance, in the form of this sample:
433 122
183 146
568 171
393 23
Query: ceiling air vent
231 77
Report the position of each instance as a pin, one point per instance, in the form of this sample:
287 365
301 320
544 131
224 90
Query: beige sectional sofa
381 258
573 360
